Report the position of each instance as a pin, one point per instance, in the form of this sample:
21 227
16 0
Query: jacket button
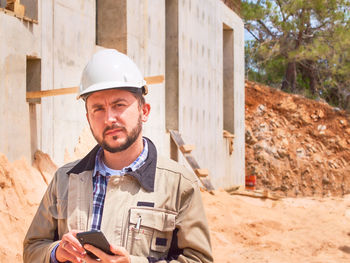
115 180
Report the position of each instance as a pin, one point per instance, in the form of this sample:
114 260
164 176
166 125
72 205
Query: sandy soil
243 229
308 229
22 187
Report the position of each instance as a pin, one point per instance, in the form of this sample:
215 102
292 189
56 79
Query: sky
247 35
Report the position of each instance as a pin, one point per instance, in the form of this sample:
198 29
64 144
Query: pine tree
308 40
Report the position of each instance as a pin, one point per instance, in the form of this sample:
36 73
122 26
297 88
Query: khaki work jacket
162 195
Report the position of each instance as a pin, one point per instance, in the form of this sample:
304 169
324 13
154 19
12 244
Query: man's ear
146 108
87 117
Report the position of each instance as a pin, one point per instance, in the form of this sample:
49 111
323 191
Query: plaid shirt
101 176
100 179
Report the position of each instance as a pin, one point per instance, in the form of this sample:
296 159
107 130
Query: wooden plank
202 172
19 9
235 188
256 194
154 79
72 90
52 92
187 148
10 5
227 134
11 13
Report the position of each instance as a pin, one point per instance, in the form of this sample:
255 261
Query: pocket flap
159 220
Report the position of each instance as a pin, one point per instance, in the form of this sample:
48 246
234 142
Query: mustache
113 126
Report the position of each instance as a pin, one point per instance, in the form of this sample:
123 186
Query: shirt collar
145 174
104 170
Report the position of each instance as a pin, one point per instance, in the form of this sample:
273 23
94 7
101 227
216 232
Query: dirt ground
291 230
22 187
243 229
297 148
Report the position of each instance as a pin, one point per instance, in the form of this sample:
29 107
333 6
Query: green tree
302 45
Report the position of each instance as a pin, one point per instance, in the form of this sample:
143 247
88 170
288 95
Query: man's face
115 118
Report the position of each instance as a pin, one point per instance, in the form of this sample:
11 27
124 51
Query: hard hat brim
130 86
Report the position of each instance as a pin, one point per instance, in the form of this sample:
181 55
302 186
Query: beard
131 137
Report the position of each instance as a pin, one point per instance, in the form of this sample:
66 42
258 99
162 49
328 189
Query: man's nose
111 116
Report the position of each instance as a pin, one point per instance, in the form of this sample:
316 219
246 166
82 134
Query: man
149 208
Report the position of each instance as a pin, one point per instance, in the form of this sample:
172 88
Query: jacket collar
145 174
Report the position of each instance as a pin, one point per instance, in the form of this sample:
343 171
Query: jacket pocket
150 231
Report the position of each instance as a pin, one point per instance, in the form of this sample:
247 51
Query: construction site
204 115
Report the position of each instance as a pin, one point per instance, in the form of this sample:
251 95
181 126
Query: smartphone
95 238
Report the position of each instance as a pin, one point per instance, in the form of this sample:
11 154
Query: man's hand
69 249
121 255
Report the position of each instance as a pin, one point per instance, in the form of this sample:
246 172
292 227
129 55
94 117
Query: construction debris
265 194
296 146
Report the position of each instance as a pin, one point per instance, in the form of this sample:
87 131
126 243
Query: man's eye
118 105
98 109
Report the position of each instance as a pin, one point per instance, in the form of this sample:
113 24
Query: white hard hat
110 69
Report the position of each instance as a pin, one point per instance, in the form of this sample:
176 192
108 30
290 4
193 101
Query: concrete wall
201 96
65 38
71 50
54 125
19 39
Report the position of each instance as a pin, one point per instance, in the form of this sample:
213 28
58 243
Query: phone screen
95 238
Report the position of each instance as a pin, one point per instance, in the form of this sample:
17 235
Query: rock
311 148
300 152
325 180
249 138
343 122
321 127
261 109
320 114
306 171
282 153
333 165
284 188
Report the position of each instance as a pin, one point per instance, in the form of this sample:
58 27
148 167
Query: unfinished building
198 45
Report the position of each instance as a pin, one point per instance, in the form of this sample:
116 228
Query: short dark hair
140 98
